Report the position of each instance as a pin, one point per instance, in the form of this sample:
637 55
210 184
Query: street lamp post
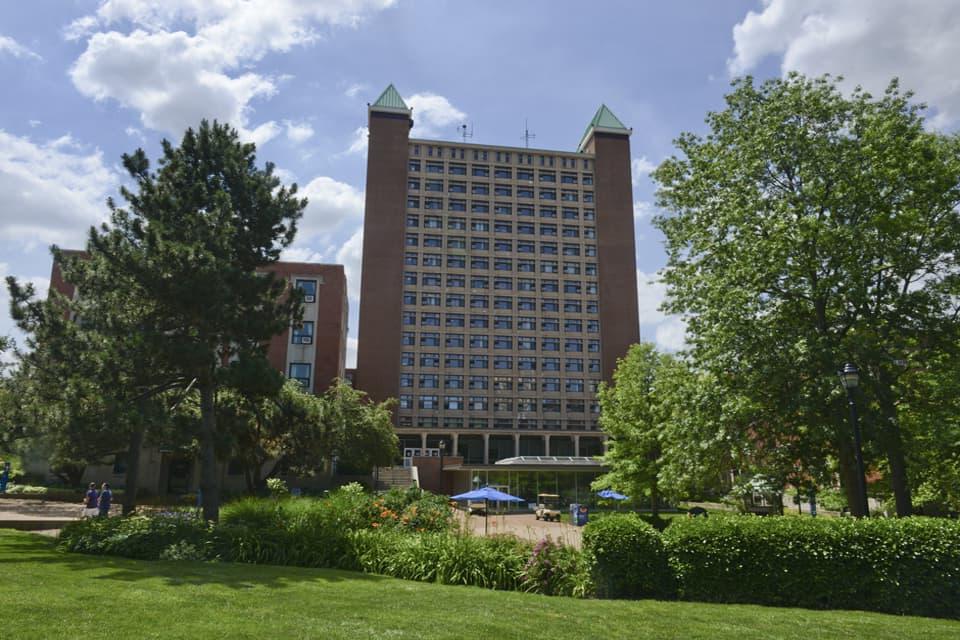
850 379
443 450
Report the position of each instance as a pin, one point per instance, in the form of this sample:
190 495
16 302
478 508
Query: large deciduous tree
808 228
194 238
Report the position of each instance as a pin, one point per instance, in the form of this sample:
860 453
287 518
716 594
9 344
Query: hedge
905 566
627 558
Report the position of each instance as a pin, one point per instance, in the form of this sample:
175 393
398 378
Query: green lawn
48 594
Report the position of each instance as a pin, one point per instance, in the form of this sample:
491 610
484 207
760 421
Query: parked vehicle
548 507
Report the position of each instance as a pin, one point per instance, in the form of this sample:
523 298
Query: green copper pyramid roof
605 120
390 100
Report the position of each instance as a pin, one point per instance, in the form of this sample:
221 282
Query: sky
84 81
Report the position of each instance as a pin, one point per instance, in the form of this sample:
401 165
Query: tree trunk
209 476
132 481
893 444
848 473
655 500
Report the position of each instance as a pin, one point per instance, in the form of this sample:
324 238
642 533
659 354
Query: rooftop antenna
464 132
527 136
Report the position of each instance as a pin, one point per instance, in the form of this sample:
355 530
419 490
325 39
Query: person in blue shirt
104 502
90 508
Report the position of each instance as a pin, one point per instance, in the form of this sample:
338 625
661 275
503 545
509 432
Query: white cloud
34 123
331 204
183 60
668 331
350 256
354 89
866 41
10 46
302 254
433 115
298 132
50 192
361 136
643 210
641 169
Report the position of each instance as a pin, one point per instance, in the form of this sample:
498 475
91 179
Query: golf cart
548 507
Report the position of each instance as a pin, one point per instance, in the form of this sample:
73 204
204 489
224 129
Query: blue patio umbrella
487 494
610 494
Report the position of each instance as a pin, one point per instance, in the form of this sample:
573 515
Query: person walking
90 508
103 504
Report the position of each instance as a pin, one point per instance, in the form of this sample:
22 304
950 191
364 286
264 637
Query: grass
45 593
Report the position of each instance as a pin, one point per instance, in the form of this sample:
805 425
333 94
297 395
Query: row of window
482 403
507 323
415 185
504 363
483 244
502 303
500 283
453 422
433 221
454 204
506 157
459 341
413 259
500 383
523 228
300 371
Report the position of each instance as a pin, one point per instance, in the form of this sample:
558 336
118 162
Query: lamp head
850 376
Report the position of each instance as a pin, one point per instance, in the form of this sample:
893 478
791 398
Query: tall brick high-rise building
499 287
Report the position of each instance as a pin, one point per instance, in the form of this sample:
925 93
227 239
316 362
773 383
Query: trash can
582 515
573 512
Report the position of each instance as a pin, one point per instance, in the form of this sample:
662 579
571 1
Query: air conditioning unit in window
309 298
306 340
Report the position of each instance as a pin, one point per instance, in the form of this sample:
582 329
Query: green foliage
496 562
140 537
809 227
182 550
905 566
555 569
278 488
627 558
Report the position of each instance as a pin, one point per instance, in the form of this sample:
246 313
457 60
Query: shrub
905 566
556 570
627 558
140 537
182 551
496 562
278 488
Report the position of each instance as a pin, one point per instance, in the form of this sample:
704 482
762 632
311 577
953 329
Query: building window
408 338
549 305
573 365
526 344
549 286
571 306
456 242
479 322
453 382
502 190
478 382
433 203
570 214
429 319
455 300
406 401
458 169
571 250
503 284
303 334
479 342
457 187
430 360
502 322
571 232
524 211
526 363
502 405
505 246
309 289
548 212
524 192
593 326
478 403
478 362
455 320
409 318
588 196
550 364
454 262
453 403
550 405
503 302
548 266
429 402
480 226
479 282
413 220
479 244
457 224
503 362
454 341
548 248
548 176
432 260
503 264
409 278
429 339
429 381
576 406
478 302
457 205
593 346
548 230
502 342
550 324
573 326
300 371
525 323
480 171
573 344
456 281
453 361
406 359
406 380
526 304
502 172
413 165
550 344
525 266
551 385
568 178
430 280
479 207
548 194
430 299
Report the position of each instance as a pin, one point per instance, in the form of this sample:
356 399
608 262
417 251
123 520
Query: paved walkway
527 527
40 515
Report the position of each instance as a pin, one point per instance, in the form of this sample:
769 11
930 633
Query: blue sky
84 81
